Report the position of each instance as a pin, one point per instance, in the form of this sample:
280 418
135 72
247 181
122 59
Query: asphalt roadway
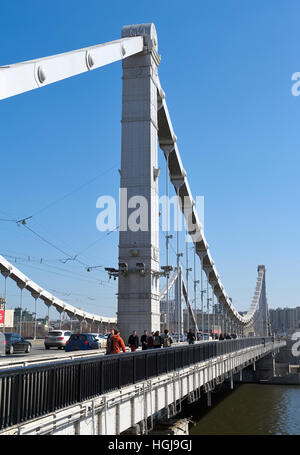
38 351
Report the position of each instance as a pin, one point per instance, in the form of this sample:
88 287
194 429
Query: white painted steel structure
9 271
138 293
145 123
22 77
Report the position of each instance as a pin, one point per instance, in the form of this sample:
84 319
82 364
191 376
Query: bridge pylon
138 291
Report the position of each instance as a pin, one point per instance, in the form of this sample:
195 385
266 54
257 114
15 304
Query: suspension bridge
158 380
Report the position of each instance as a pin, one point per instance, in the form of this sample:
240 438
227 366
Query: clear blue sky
226 69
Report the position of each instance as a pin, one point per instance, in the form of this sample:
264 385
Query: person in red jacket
117 343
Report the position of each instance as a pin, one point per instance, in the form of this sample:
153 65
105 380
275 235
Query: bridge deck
40 393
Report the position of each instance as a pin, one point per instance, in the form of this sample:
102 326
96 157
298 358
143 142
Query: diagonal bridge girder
167 288
25 76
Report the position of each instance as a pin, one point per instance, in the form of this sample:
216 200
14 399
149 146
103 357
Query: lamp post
168 237
208 319
195 289
213 314
36 296
203 291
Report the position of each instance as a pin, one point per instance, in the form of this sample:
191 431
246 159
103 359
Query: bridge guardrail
30 392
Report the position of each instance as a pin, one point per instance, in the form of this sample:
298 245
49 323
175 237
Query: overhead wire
76 276
75 190
22 221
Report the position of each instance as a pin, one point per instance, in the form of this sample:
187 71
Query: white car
204 337
100 339
57 339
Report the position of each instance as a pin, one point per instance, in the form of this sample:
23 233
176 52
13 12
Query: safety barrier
30 392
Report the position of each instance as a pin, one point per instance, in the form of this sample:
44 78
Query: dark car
81 341
14 343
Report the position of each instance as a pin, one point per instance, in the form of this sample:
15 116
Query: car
14 343
81 341
175 337
57 339
204 337
102 340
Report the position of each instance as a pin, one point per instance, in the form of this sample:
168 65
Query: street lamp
195 299
203 291
208 300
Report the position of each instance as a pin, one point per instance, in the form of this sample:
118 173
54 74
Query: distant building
8 315
284 320
8 319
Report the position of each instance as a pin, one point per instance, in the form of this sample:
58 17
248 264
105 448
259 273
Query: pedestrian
150 341
221 337
109 342
133 341
157 341
144 340
166 339
117 343
191 337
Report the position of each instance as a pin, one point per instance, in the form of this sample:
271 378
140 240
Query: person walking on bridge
150 341
133 341
191 337
157 341
117 343
145 340
109 342
166 339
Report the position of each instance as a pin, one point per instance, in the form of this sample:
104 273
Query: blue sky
226 69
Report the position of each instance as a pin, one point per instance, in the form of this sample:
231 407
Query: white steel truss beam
170 284
25 76
7 269
184 291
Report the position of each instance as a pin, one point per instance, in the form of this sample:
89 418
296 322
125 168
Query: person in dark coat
109 342
150 341
166 339
157 341
133 341
144 340
191 337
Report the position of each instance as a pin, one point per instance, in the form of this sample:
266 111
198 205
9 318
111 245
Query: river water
249 409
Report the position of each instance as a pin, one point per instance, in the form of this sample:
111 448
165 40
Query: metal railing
31 392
